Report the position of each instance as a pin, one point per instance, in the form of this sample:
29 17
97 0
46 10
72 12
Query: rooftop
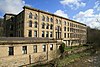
19 40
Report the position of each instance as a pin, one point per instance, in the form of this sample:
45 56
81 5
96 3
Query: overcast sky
84 11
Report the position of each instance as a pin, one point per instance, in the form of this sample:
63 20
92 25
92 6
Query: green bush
61 48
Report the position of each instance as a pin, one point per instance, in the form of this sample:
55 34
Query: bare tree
1 27
98 20
93 36
54 55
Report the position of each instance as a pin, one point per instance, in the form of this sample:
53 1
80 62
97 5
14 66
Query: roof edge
27 7
9 14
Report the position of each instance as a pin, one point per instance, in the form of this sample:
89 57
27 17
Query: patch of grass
68 59
70 48
72 58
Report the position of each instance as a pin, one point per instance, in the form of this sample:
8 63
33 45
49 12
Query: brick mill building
34 32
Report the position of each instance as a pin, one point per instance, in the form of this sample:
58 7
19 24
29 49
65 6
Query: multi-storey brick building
36 23
34 34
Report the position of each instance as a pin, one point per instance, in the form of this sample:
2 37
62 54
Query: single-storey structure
18 51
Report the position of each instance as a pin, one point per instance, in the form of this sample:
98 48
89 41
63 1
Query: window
35 25
47 27
44 48
59 21
51 20
24 49
47 19
35 33
30 23
42 33
11 50
51 26
56 21
68 35
68 23
58 28
68 42
68 28
50 34
47 34
35 16
64 35
30 33
64 28
43 25
19 33
43 18
64 22
11 27
12 19
30 15
51 46
35 48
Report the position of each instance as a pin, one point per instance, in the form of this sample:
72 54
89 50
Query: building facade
19 51
36 23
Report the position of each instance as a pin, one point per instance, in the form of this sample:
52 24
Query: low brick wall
26 60
14 61
22 60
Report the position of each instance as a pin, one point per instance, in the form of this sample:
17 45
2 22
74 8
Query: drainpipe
47 50
56 48
29 59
